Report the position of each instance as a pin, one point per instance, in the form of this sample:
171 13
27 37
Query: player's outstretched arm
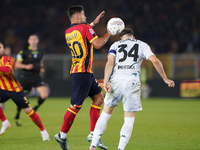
108 70
20 65
96 21
159 68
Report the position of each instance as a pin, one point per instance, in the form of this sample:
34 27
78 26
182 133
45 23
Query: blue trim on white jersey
112 51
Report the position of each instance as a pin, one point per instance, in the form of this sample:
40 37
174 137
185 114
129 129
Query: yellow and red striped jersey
79 38
7 79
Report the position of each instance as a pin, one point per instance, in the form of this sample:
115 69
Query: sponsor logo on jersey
91 31
126 67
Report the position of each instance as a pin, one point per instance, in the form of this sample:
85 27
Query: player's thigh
42 90
81 85
3 96
20 99
113 98
131 98
95 87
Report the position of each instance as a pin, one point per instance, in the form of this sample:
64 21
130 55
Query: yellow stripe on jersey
14 83
72 111
80 49
95 106
93 39
1 83
6 82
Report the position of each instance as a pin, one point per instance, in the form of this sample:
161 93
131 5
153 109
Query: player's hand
170 83
29 66
42 70
107 87
98 17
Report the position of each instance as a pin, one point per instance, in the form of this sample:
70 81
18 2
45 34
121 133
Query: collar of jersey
29 48
74 24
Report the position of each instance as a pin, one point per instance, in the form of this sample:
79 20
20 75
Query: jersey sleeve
6 65
112 49
147 51
90 33
20 55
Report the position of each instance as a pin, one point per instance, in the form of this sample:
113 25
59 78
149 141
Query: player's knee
98 101
44 95
27 110
76 108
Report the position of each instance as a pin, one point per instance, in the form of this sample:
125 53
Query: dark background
169 26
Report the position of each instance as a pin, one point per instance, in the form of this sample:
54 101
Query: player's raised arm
159 67
108 70
96 21
5 68
99 42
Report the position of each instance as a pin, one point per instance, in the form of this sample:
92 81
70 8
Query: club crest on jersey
29 56
91 31
35 55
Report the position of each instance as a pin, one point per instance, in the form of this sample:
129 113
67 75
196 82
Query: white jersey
129 54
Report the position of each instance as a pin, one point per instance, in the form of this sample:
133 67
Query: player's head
33 40
7 50
76 14
1 49
126 33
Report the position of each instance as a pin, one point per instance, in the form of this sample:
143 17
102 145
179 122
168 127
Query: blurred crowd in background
171 26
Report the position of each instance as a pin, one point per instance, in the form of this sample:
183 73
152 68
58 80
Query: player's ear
77 16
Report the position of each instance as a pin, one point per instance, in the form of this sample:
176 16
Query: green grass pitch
163 124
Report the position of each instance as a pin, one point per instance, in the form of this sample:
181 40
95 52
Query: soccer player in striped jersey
7 51
122 82
81 38
10 88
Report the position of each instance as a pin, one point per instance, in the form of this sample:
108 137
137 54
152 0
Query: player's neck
33 48
75 22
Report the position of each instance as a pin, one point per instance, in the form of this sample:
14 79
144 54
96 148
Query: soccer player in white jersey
122 82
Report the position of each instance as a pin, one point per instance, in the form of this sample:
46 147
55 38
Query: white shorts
127 91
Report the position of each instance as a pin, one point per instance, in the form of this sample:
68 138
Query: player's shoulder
21 52
141 43
5 58
77 26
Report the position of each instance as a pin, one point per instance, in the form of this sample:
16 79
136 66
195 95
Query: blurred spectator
169 26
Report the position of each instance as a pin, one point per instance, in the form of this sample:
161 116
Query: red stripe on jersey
4 84
83 66
10 82
90 63
76 69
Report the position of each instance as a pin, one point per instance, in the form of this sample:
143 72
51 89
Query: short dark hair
1 42
126 31
34 34
74 9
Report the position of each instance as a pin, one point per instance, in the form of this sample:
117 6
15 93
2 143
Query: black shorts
19 98
27 82
83 85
